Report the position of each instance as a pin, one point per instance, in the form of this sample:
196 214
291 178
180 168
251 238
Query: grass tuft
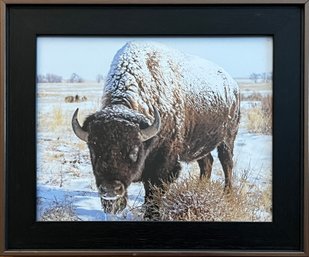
256 96
59 211
193 199
58 118
260 117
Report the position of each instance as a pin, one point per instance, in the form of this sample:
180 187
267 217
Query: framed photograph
151 128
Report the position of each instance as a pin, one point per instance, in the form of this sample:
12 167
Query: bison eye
134 154
92 142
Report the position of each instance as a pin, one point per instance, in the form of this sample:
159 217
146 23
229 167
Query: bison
159 107
75 99
69 99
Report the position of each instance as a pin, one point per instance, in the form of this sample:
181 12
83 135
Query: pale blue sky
89 56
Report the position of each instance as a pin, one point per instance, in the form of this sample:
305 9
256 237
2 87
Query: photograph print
154 129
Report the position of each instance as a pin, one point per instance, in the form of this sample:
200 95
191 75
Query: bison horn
153 129
78 130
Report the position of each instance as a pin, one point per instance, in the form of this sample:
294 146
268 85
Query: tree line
54 78
75 78
263 77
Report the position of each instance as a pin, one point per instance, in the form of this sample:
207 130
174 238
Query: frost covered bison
159 107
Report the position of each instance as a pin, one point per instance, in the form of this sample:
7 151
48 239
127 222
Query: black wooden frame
285 23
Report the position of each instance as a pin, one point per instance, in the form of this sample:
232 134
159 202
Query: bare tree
254 77
53 78
49 78
269 76
75 78
264 77
99 78
40 78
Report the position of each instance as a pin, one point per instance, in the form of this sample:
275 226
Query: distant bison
159 107
69 99
75 99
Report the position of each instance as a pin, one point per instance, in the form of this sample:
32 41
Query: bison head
117 150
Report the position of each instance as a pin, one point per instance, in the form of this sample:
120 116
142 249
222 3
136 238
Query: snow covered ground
64 173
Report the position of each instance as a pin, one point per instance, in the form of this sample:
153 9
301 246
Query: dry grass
59 118
254 86
55 121
59 211
255 96
199 200
260 118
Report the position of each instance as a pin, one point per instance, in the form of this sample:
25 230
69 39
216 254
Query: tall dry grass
193 199
260 117
57 120
255 96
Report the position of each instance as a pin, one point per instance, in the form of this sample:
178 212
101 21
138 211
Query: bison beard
159 107
114 206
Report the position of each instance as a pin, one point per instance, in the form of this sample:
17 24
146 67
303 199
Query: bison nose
112 191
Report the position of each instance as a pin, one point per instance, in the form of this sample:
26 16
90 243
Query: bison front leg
225 154
157 184
206 166
153 195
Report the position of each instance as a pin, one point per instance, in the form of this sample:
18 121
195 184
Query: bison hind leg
225 154
205 165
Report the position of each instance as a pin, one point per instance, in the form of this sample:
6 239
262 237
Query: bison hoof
228 190
114 206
